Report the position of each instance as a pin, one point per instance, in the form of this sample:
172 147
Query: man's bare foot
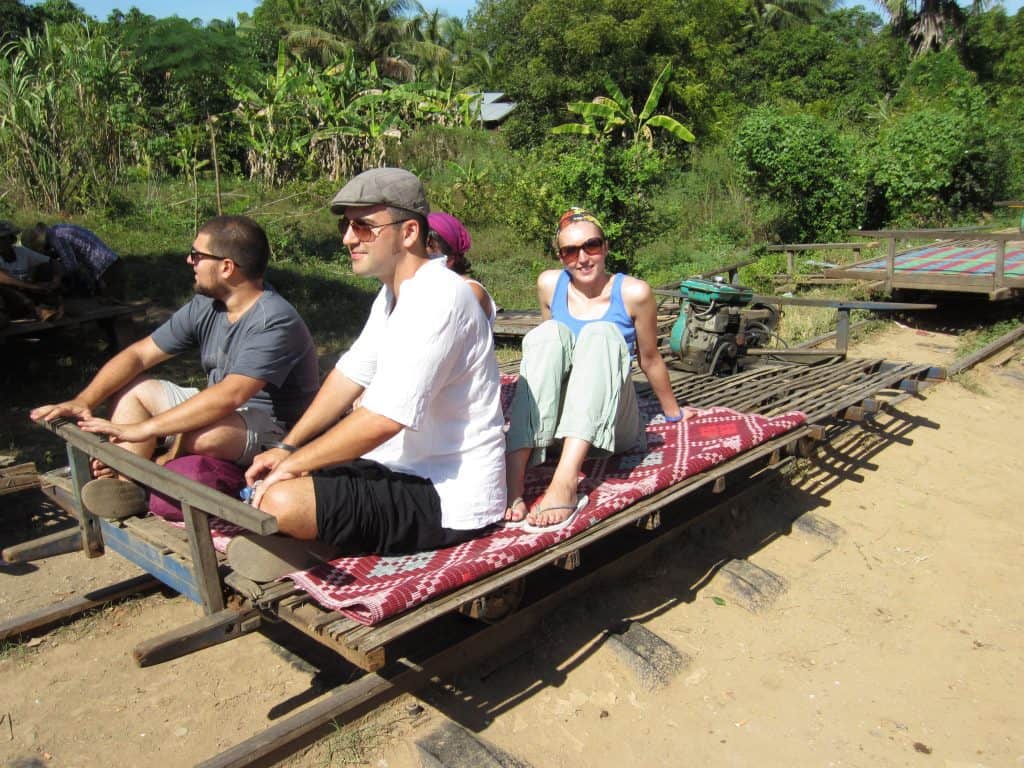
516 511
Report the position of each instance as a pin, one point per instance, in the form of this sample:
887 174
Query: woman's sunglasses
570 254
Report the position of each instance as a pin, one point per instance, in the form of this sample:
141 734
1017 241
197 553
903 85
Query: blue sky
226 9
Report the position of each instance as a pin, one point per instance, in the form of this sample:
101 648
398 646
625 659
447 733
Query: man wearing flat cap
419 463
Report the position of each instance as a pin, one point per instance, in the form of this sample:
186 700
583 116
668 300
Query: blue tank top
616 314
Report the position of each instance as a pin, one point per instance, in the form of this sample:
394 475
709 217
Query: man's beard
202 291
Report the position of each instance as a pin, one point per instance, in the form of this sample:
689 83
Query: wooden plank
818 247
89 315
27 468
998 277
88 523
913 234
43 618
312 620
172 569
169 483
53 544
827 336
15 483
160 533
204 559
214 629
989 349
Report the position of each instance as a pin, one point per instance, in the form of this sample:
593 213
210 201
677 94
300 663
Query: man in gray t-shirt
257 353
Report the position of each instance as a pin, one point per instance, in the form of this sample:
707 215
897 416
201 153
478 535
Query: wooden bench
116 320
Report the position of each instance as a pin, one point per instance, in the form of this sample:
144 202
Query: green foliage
181 65
16 19
930 165
549 63
971 341
804 167
615 183
69 117
617 116
837 66
933 77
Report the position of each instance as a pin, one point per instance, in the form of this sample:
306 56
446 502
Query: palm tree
928 25
374 30
787 13
616 113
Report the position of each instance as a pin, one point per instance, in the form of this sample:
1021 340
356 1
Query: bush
615 183
931 165
804 167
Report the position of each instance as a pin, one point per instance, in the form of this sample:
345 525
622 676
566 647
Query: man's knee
294 506
147 392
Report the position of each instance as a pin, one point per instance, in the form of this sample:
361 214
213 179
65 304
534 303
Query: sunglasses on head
570 254
363 231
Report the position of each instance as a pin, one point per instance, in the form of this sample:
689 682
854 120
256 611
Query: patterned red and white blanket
369 589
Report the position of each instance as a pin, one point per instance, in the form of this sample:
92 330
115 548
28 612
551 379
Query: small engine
717 324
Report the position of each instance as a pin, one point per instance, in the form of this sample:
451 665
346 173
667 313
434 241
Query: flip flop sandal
516 524
114 499
581 503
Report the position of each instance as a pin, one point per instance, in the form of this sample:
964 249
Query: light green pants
574 387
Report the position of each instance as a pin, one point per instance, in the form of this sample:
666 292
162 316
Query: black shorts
363 507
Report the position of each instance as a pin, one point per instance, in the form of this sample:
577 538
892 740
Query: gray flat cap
383 186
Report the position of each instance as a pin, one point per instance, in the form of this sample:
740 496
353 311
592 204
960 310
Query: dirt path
895 642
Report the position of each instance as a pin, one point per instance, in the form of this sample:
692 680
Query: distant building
492 108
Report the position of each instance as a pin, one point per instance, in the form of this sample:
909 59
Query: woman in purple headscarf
449 238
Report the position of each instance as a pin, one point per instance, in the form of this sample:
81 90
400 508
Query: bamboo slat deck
991 264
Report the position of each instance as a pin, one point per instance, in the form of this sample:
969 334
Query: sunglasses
364 232
570 254
194 256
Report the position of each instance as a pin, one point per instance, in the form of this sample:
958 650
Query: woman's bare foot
555 506
516 511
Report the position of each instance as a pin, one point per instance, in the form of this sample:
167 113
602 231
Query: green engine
717 324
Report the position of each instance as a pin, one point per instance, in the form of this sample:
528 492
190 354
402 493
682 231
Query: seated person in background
258 355
28 280
420 463
448 238
89 266
574 379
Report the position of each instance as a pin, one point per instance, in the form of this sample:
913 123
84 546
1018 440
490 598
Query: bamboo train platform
407 650
979 263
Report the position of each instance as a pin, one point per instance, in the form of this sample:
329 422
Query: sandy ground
895 638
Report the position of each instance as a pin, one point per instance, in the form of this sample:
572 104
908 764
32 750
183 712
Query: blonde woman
575 386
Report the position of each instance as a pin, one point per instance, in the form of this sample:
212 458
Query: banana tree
608 115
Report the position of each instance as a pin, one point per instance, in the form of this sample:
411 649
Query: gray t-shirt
270 342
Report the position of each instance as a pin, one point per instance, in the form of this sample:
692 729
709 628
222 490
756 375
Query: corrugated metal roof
492 109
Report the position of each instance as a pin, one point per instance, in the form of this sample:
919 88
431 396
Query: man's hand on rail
119 433
74 409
